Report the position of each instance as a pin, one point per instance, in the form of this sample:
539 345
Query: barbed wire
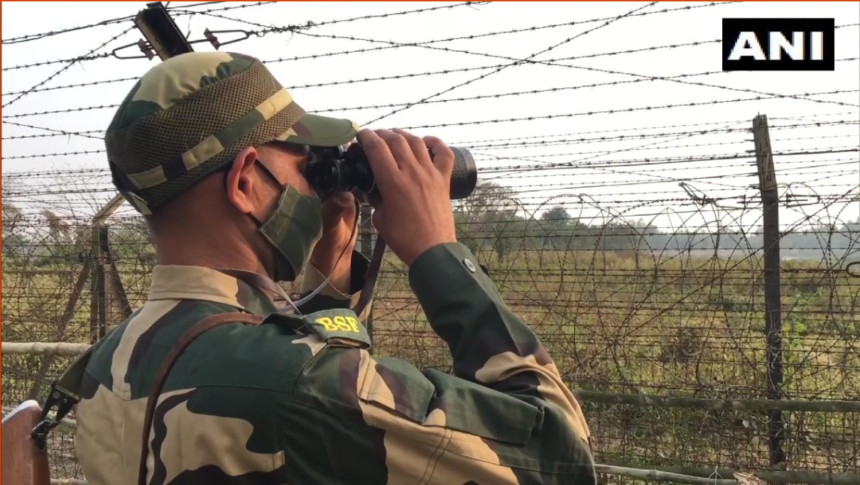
524 188
527 201
373 79
55 132
690 145
539 91
643 128
807 165
536 187
817 163
666 160
32 37
267 29
503 32
58 111
180 9
494 142
78 59
434 73
180 12
649 184
689 294
490 156
76 85
584 161
476 122
638 286
516 63
64 69
551 63
489 34
602 139
591 113
425 45
63 154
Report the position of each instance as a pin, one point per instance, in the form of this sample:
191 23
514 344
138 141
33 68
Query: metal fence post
772 300
97 285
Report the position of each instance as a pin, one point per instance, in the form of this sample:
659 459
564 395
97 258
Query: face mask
293 230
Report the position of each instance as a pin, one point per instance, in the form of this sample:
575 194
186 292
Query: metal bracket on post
217 44
161 31
701 200
793 201
772 300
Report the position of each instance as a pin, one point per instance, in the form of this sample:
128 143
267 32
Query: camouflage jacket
270 405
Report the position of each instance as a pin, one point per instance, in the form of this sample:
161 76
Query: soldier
210 149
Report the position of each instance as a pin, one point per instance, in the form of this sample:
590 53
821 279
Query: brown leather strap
178 348
370 277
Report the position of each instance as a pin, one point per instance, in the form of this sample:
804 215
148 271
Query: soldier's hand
414 213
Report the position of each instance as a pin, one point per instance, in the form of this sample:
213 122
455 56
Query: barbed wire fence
637 252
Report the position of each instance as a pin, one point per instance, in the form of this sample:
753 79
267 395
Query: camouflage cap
192 114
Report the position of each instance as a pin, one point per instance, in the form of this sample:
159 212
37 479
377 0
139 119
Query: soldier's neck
208 254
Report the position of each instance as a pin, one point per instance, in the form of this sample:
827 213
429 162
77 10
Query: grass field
673 324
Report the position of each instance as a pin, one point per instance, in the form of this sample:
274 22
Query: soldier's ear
241 181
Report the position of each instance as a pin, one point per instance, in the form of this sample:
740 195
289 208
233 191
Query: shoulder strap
64 395
370 277
178 348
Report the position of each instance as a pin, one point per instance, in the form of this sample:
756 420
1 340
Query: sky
619 165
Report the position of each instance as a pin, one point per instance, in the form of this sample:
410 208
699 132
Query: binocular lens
331 171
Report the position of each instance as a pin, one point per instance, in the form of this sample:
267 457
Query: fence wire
635 252
625 308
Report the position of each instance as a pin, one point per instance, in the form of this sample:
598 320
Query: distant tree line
490 219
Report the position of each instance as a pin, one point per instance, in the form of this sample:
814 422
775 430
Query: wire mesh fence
626 309
635 250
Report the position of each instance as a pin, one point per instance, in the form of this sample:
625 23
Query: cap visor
321 131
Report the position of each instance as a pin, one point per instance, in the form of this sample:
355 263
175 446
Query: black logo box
732 27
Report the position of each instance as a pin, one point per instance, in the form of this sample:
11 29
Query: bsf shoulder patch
339 323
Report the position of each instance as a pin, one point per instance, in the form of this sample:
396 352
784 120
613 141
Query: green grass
628 322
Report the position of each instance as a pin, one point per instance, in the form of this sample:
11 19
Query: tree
13 244
58 229
553 228
488 219
556 215
63 242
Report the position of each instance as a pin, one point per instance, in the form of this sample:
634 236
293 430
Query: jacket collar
170 282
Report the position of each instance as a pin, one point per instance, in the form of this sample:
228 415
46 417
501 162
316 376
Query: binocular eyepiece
334 170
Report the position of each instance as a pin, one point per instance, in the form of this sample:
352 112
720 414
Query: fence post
101 266
98 291
365 227
772 300
167 41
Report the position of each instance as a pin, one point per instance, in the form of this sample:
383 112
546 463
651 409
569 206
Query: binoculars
334 170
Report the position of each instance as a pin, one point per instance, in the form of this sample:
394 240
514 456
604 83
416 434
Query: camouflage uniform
299 399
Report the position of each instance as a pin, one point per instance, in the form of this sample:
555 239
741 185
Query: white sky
825 174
